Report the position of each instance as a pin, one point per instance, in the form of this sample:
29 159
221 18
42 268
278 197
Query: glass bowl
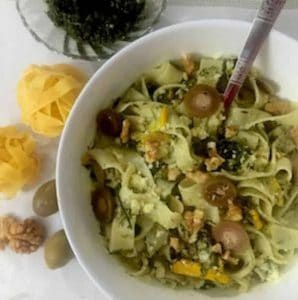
34 16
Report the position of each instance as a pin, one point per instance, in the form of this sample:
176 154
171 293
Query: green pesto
95 22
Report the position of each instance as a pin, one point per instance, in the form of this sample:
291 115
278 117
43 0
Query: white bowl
278 61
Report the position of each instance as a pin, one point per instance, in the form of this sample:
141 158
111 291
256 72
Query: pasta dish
189 194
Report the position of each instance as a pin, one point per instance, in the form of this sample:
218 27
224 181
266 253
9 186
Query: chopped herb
190 82
125 212
95 22
169 95
138 229
163 98
234 154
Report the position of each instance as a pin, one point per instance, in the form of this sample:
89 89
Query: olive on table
202 101
232 236
57 251
45 199
219 191
109 122
103 204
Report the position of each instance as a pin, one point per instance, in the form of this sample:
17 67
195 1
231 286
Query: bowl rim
98 58
107 291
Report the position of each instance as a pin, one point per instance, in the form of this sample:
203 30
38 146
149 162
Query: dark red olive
109 122
219 191
202 101
104 205
232 236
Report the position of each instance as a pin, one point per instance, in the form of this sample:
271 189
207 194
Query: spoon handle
261 27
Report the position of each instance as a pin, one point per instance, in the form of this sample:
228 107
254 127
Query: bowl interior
277 61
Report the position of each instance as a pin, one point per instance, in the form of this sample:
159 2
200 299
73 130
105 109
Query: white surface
26 277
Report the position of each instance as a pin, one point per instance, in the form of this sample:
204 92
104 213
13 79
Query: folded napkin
227 3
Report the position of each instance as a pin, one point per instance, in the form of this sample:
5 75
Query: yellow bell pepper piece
217 276
256 219
164 116
187 268
160 122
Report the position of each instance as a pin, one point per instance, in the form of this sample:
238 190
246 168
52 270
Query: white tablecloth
26 277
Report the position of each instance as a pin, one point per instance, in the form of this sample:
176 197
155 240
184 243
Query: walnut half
234 212
21 236
125 133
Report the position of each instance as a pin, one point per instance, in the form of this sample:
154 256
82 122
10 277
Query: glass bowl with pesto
89 30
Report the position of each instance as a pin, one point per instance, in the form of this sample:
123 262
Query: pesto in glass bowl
41 20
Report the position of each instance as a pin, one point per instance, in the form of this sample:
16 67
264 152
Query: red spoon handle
261 27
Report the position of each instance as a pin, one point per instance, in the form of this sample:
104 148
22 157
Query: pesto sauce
95 22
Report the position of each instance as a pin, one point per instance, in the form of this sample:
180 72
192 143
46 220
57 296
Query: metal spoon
261 27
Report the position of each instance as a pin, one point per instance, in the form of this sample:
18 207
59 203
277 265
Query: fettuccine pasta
189 195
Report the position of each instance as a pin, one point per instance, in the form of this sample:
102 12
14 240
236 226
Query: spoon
261 27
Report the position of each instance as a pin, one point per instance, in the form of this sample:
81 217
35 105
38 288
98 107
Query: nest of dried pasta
19 164
46 95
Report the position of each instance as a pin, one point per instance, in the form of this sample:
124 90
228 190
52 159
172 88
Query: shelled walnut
125 132
21 236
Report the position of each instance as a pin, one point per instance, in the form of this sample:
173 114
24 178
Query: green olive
202 101
109 122
45 199
103 204
57 251
219 191
232 235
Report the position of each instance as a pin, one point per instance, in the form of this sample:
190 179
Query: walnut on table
2 245
21 236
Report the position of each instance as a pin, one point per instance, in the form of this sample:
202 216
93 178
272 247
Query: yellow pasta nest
18 161
46 95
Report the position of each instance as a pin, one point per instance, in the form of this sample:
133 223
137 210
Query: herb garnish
125 212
